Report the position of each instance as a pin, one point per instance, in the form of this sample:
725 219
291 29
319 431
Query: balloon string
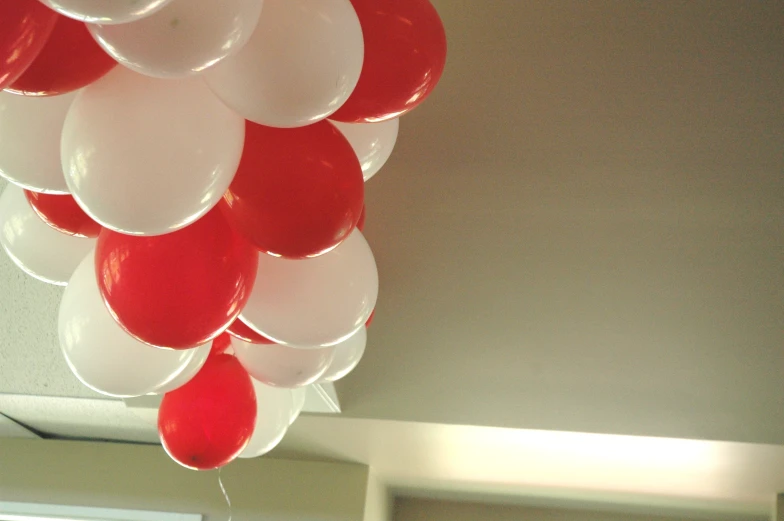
223 489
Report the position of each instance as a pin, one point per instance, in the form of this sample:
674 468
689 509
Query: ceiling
582 230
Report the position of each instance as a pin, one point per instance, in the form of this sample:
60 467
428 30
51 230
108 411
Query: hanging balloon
348 353
208 422
36 248
100 353
274 408
189 371
372 142
25 25
106 12
63 214
299 66
361 222
70 60
298 394
283 366
183 38
145 156
177 290
238 329
298 192
405 54
30 130
314 302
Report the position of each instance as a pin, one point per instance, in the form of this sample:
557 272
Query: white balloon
183 38
282 366
298 395
30 128
106 11
348 353
273 410
189 371
100 353
146 156
301 64
372 142
33 245
314 302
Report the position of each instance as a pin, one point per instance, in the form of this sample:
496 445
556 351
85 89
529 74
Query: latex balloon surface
61 212
25 26
38 249
238 329
372 142
208 422
70 60
347 356
103 356
177 290
298 192
283 366
274 408
300 65
183 38
145 156
405 54
106 11
30 131
314 302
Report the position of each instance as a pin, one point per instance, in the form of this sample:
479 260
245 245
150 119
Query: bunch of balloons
203 202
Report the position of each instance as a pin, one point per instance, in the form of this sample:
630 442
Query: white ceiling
582 230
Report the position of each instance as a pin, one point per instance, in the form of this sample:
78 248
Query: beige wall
143 477
409 509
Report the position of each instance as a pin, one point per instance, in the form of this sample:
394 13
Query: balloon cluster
203 202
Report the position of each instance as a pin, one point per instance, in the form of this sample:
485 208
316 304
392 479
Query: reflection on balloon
283 366
183 38
106 11
25 25
145 156
70 60
372 142
38 249
100 353
298 192
178 290
347 355
299 66
188 372
30 130
405 54
61 212
274 408
314 302
239 329
208 422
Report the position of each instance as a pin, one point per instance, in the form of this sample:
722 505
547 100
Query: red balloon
207 422
61 212
405 54
177 290
298 192
240 330
370 318
70 60
361 222
220 345
25 26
